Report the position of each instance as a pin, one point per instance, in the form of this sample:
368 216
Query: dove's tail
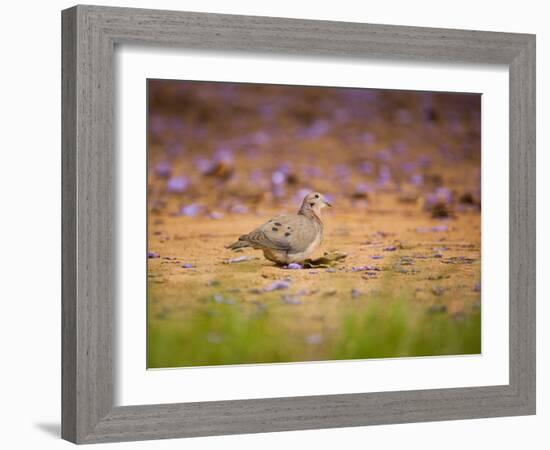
241 243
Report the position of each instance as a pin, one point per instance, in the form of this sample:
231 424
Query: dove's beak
328 204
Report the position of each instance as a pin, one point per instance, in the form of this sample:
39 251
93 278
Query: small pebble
356 293
390 248
153 255
187 266
294 266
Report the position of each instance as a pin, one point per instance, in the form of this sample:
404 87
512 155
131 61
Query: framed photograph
277 224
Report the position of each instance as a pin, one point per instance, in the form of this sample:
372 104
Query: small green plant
392 329
219 334
384 327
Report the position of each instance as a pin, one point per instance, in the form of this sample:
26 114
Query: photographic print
304 223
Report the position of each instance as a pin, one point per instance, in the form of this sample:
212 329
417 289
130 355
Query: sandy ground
441 269
401 168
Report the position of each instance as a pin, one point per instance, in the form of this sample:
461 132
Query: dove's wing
288 233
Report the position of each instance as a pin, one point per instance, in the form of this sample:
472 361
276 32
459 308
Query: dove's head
314 202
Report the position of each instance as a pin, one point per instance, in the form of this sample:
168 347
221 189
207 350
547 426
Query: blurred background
229 148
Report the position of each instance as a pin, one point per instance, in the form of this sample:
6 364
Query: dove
289 238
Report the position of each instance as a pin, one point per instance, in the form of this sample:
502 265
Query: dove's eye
316 195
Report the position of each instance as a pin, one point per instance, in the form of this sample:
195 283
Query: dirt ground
440 268
403 172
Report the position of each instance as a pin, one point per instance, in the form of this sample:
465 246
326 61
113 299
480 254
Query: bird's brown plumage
289 238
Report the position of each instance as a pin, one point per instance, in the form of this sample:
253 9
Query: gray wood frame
89 37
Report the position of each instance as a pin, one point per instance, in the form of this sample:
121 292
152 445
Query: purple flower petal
291 299
363 188
278 190
366 167
203 165
317 129
440 228
177 185
417 180
215 215
384 155
187 266
384 175
224 155
239 209
342 171
153 255
294 266
260 138
390 248
435 229
191 210
277 286
313 171
364 268
163 169
278 177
